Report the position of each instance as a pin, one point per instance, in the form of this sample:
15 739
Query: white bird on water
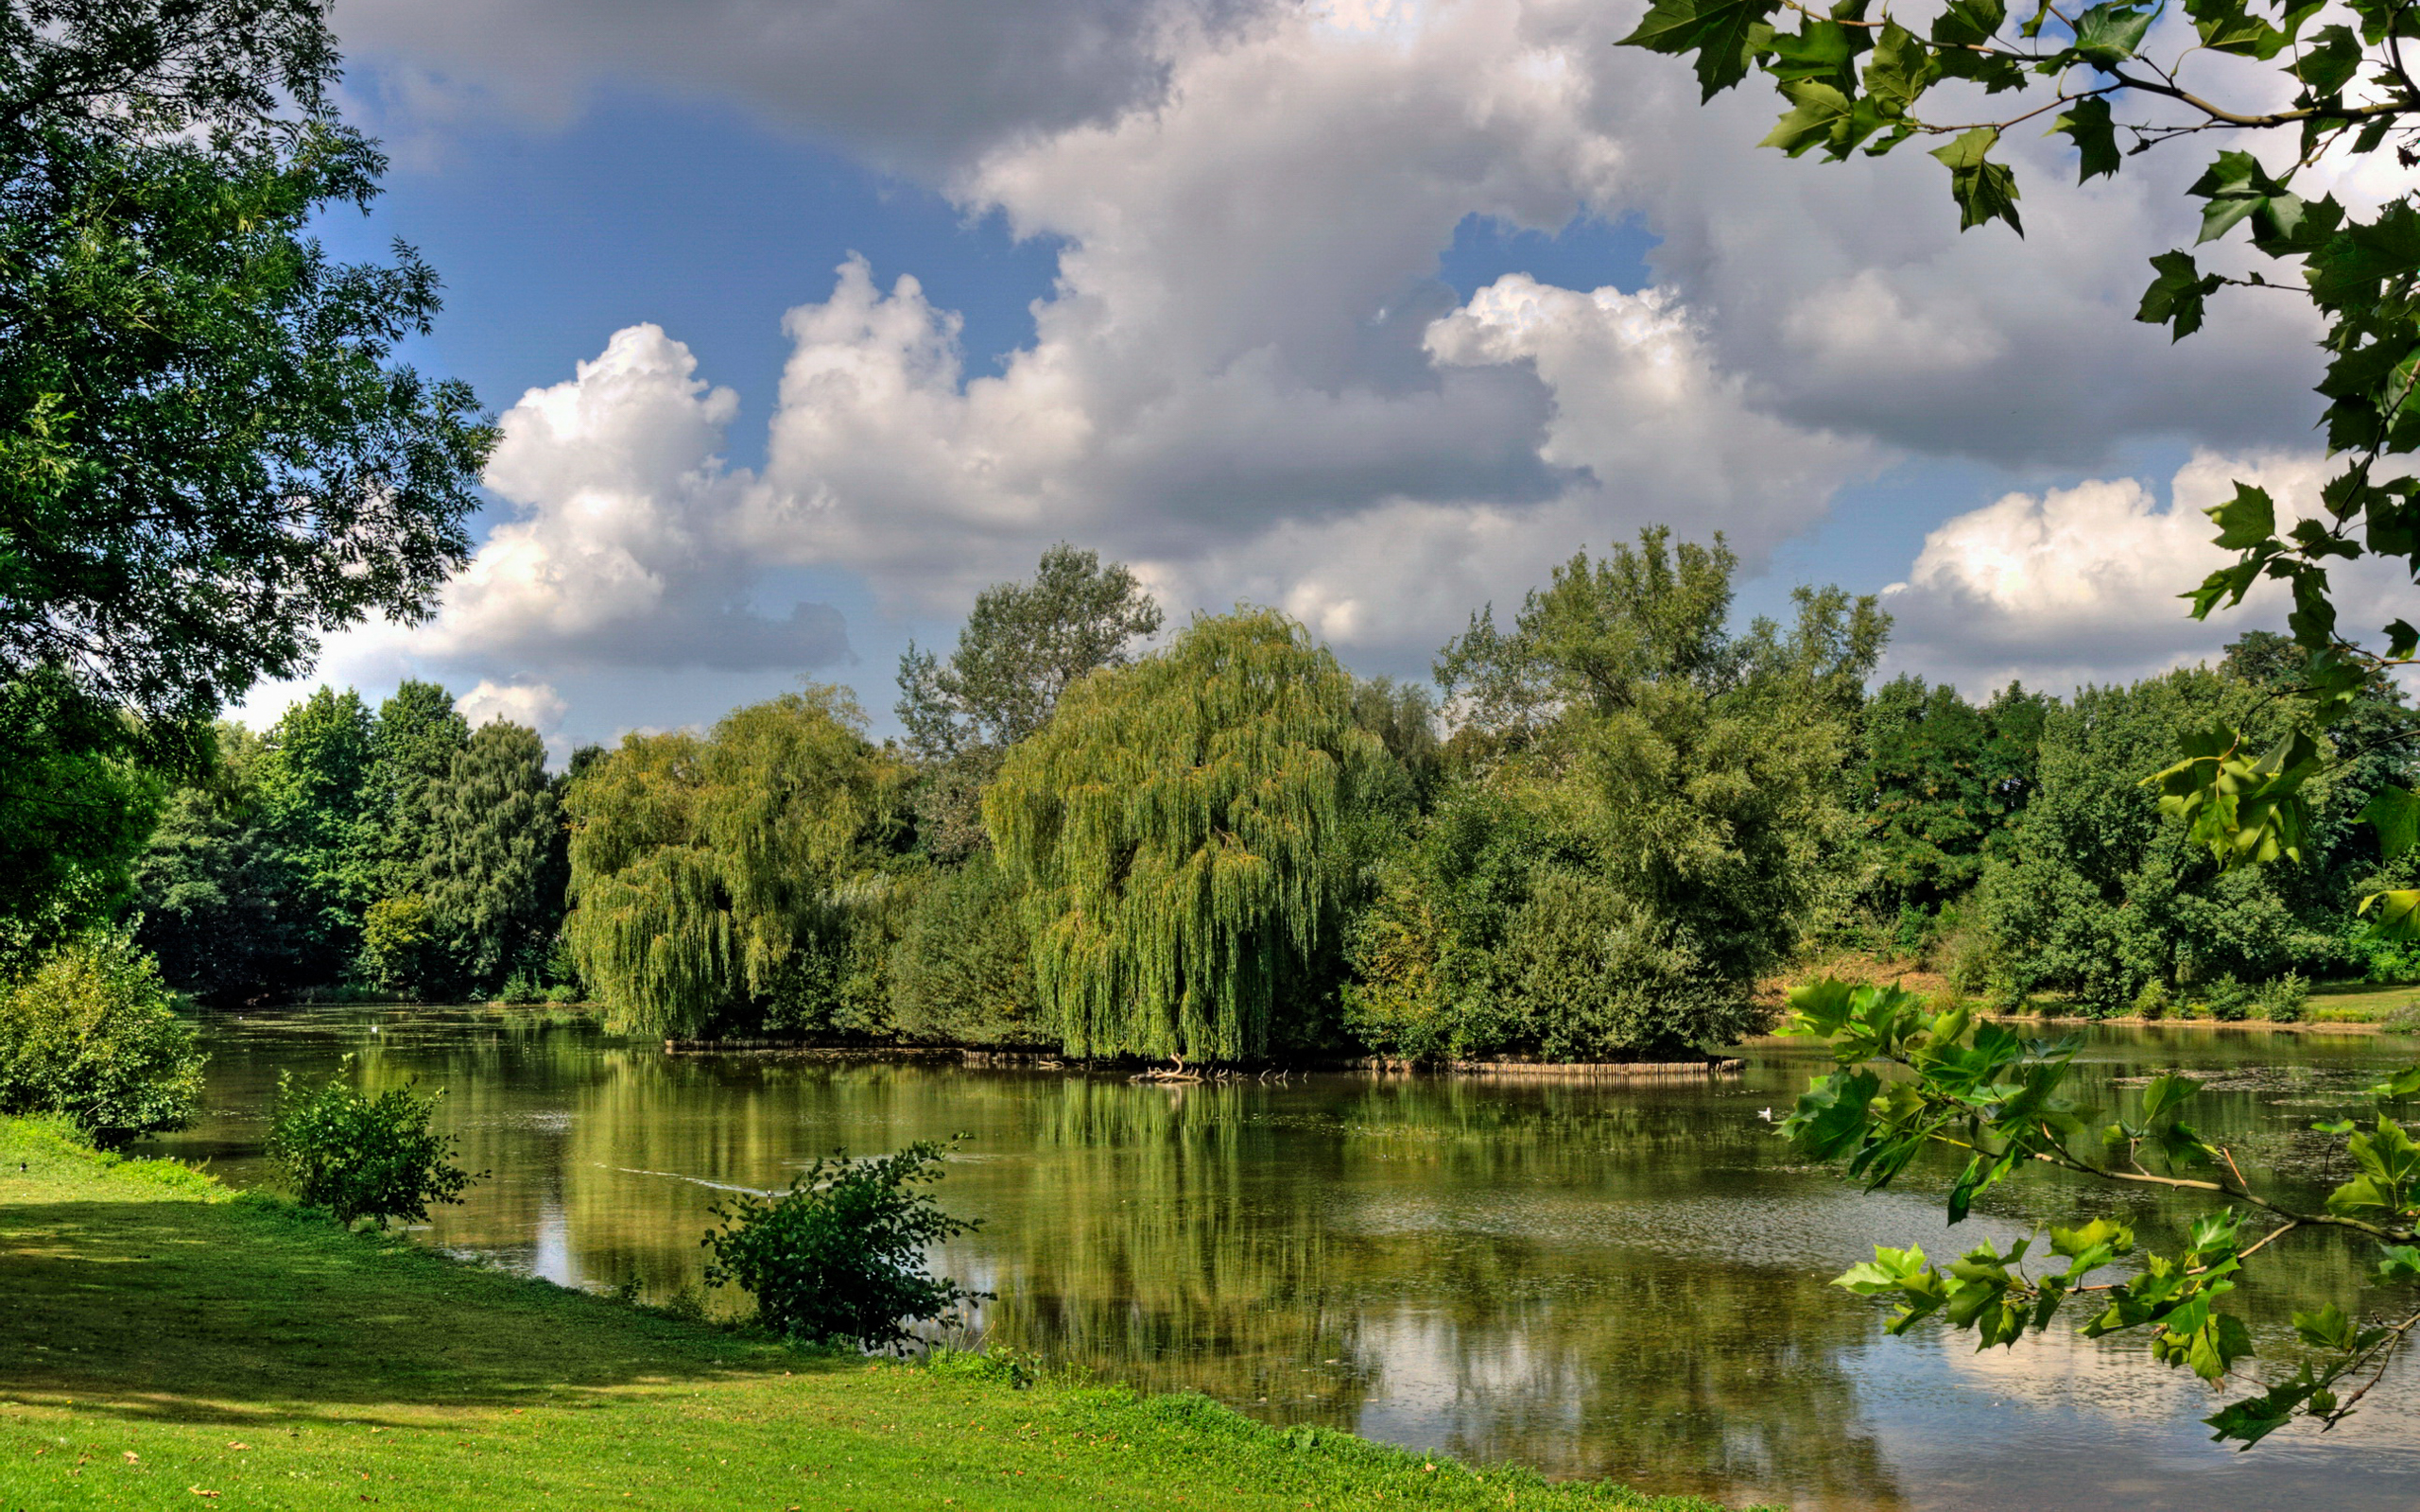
1767 1114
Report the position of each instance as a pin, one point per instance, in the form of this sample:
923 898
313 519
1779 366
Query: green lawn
164 1343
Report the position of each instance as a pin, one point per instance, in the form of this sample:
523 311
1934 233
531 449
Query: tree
313 786
1938 787
417 738
1023 647
1176 830
211 457
2098 897
91 1034
1855 84
492 828
77 801
962 971
213 885
1403 718
1678 790
1598 634
719 877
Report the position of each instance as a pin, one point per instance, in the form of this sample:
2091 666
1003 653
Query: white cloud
620 554
536 705
2081 585
1247 381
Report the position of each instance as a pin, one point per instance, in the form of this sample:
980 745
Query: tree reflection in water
1607 1279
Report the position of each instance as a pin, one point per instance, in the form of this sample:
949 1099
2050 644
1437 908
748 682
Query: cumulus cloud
534 704
620 553
910 82
2080 585
1247 381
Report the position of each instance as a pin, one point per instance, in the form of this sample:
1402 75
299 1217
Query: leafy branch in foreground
2116 81
1979 1088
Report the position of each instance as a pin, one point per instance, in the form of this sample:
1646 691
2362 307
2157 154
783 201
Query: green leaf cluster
1975 1091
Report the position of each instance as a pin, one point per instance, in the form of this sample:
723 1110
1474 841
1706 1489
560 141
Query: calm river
1625 1280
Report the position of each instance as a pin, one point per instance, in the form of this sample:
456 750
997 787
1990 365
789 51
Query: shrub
2284 998
1592 976
92 1035
375 1157
2152 1003
838 1258
2227 999
2405 1019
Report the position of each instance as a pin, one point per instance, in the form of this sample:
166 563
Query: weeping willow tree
1179 829
706 874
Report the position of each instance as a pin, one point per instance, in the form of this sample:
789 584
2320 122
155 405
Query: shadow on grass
234 1310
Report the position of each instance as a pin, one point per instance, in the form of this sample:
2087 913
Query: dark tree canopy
417 740
1938 785
492 836
211 457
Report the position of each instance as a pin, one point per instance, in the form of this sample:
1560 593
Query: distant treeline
1623 813
395 852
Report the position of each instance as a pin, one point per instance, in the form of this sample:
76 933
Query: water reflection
1597 1281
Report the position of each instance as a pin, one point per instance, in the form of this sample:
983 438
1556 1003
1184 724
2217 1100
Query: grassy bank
2357 1007
164 1343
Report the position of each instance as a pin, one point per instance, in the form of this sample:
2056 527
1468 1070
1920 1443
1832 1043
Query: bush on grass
2152 1003
838 1258
2227 999
91 1036
376 1158
2285 999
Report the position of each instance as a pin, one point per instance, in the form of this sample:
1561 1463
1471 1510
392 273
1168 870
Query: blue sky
1315 329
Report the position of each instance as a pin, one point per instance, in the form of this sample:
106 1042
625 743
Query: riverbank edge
991 1057
123 1392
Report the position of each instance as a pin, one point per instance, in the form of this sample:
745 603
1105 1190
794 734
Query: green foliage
1023 646
2337 94
493 854
212 456
1939 787
313 785
1689 778
2000 1104
1597 635
1178 832
707 874
80 789
1403 718
91 1034
360 1157
2154 1001
213 885
398 942
962 971
1427 950
839 1257
2227 999
1590 973
2285 999
415 740
2098 896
